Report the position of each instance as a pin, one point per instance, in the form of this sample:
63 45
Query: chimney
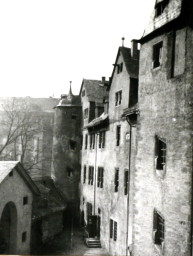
103 79
134 48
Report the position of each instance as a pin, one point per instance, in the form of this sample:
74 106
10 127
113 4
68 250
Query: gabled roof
131 63
95 90
7 166
175 13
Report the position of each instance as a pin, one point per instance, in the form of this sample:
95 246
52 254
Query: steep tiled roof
172 10
95 90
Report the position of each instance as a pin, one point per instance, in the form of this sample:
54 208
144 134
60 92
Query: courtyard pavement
65 244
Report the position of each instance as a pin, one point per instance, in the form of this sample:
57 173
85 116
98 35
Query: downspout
128 187
96 143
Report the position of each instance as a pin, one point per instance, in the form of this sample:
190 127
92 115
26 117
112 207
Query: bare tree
21 133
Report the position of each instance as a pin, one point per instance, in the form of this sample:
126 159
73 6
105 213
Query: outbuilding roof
6 167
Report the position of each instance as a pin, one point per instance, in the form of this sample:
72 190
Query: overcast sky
46 43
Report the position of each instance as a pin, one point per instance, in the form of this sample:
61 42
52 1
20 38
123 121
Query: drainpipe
128 187
96 143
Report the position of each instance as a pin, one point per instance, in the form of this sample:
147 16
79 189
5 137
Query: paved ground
64 245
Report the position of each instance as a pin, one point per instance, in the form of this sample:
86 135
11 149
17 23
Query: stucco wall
13 189
165 111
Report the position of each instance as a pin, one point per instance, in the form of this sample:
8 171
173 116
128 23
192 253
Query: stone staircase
93 243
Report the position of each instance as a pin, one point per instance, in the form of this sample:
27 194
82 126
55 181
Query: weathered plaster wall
13 189
165 110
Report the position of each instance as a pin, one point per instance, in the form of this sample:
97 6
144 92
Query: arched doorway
8 229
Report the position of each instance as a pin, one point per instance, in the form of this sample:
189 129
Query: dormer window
157 54
159 7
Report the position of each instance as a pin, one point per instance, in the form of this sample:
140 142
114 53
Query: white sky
46 43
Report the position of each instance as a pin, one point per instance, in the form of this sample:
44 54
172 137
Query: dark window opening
133 92
113 229
73 117
160 153
100 179
84 175
102 139
92 141
116 182
72 144
157 54
11 174
90 175
24 237
118 98
86 141
118 135
126 182
25 200
159 8
119 68
69 172
158 229
89 210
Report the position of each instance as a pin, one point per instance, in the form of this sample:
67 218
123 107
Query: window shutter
115 231
111 228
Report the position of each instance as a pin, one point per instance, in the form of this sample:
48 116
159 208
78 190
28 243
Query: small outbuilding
16 196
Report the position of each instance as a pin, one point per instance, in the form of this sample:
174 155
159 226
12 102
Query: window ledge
160 173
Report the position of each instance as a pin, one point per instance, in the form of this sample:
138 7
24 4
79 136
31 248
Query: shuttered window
113 230
116 182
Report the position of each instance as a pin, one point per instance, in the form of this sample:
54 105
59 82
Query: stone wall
165 110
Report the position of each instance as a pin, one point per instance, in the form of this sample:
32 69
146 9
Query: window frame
118 135
160 153
157 54
100 177
116 180
158 229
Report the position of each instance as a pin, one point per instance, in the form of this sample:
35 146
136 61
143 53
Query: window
116 180
86 113
25 200
24 237
72 144
83 93
118 135
89 209
73 117
69 172
84 174
158 229
100 177
11 174
102 139
86 141
118 98
92 141
90 175
133 92
126 176
119 68
157 54
159 7
113 229
160 153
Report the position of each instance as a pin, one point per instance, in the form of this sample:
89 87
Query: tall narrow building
163 178
66 148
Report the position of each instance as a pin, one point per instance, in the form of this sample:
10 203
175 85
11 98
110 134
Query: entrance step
93 243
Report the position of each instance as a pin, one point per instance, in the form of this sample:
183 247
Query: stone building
107 158
66 149
17 191
163 176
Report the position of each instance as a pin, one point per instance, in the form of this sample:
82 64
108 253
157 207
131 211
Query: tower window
157 54
72 144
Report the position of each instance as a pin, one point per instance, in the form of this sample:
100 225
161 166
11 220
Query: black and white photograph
96 127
